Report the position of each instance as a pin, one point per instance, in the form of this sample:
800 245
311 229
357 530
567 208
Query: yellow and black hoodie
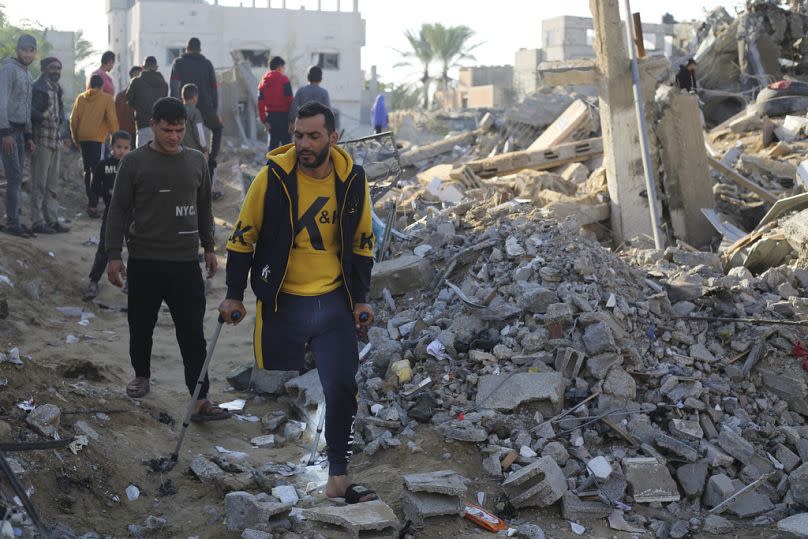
285 211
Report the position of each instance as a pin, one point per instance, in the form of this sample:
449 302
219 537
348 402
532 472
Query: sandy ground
86 491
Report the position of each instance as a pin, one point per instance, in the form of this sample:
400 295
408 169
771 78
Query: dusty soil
86 491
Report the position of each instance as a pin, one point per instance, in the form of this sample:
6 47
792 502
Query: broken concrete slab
650 480
244 510
372 516
420 506
539 484
271 382
408 273
205 470
45 419
798 480
692 477
506 392
446 482
795 524
599 339
574 508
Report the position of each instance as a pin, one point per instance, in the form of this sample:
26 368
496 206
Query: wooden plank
564 127
742 181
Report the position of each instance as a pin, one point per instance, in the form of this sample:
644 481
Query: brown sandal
210 412
138 388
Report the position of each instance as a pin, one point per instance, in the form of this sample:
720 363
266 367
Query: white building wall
159 25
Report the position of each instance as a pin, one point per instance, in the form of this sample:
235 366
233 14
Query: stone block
599 339
796 525
569 362
374 516
599 365
505 392
684 429
620 384
463 431
239 377
676 446
400 275
558 314
787 457
539 484
255 534
798 481
271 382
419 506
717 525
243 510
719 488
535 298
446 482
205 470
650 480
45 419
574 508
692 477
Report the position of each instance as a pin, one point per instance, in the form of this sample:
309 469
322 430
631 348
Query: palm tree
450 45
422 52
83 48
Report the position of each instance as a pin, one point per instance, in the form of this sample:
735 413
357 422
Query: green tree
83 48
421 51
9 34
450 45
403 96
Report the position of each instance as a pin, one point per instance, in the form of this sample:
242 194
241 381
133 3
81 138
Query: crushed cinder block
244 510
446 482
358 519
574 508
539 484
433 494
505 392
650 480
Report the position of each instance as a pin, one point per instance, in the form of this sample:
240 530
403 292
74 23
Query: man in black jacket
47 116
686 78
142 94
193 67
305 235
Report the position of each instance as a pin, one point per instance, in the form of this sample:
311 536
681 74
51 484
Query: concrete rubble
434 494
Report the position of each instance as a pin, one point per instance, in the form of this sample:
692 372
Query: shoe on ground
93 213
59 227
90 292
43 228
19 231
216 195
138 388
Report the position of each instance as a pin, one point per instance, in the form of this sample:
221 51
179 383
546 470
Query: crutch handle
234 316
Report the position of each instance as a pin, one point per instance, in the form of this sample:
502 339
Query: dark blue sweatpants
327 325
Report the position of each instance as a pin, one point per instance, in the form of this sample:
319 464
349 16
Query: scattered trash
132 493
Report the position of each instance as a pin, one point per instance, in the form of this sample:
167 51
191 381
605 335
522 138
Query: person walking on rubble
92 121
143 93
15 127
125 113
107 63
312 91
166 187
47 115
275 99
378 114
103 182
193 67
304 236
686 78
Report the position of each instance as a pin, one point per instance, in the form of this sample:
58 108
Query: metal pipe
650 187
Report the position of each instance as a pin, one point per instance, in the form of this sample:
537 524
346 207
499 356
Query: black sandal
356 492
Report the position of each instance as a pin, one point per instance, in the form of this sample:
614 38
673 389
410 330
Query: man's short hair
107 57
135 71
190 91
169 109
313 108
194 45
96 82
276 62
315 74
121 135
150 62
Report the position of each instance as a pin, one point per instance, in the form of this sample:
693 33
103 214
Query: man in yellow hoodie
305 235
92 121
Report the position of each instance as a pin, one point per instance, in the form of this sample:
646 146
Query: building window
256 58
172 54
649 40
590 37
326 60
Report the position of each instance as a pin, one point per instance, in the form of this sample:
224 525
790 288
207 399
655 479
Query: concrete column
687 180
355 6
319 5
621 147
339 5
373 87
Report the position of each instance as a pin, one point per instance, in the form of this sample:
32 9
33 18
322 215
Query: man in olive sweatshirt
166 187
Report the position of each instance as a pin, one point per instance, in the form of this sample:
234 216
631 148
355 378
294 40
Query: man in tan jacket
92 121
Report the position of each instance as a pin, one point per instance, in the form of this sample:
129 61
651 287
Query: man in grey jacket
15 127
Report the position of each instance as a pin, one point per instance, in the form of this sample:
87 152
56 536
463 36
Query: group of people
32 116
303 239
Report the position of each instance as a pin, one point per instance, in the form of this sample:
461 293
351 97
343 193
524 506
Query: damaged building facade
329 36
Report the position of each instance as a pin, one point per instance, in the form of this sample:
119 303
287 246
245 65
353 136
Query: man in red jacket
275 98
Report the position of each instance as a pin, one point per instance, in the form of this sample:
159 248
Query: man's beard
319 159
54 78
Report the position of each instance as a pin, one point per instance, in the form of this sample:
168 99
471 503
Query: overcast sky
502 26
